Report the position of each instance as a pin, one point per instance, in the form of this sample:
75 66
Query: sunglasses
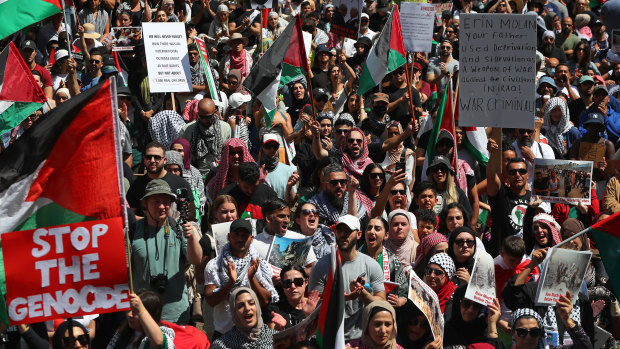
375 175
96 61
69 341
449 31
342 131
435 272
399 72
153 157
336 182
271 145
233 82
533 332
193 53
521 171
235 152
297 281
398 192
445 47
461 242
442 169
355 140
306 211
206 116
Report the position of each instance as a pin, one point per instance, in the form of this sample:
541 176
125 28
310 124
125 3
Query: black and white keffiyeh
321 241
207 141
165 126
445 262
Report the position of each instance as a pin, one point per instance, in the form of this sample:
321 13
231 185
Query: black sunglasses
436 272
336 182
355 140
96 61
461 242
69 341
153 157
297 281
235 152
306 211
206 116
271 145
375 175
535 332
398 192
521 171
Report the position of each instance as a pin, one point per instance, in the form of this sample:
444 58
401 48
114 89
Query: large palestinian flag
385 56
283 62
330 333
61 207
607 237
20 95
17 14
444 121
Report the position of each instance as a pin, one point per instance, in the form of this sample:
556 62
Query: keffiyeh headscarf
355 167
427 244
394 153
522 312
164 127
187 150
220 180
190 113
551 224
555 133
445 262
207 141
251 333
369 311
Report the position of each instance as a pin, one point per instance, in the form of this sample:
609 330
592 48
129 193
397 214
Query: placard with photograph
345 22
563 181
563 271
303 331
426 300
286 251
124 38
220 235
481 287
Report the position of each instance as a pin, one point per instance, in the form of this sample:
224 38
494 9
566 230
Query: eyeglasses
375 175
69 341
535 332
461 242
336 182
233 82
96 61
398 192
306 211
580 49
441 169
153 157
341 131
206 116
445 47
449 31
435 272
297 281
520 171
193 53
355 140
416 322
271 145
466 303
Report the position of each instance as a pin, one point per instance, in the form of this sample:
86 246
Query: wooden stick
174 107
311 96
409 90
128 250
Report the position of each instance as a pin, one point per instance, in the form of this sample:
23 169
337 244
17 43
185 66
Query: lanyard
146 244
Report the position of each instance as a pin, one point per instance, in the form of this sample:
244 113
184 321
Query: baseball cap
380 97
270 137
322 48
157 186
109 69
365 15
440 160
444 135
241 224
318 93
364 41
237 99
584 79
600 88
29 44
60 54
593 118
350 221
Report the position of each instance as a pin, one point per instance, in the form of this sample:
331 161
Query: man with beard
237 265
508 201
362 46
276 214
528 149
278 174
576 107
441 68
562 79
323 147
399 107
339 196
364 30
155 161
549 49
248 192
362 276
566 40
206 136
355 153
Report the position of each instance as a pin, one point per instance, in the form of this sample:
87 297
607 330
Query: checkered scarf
164 127
205 141
426 245
445 262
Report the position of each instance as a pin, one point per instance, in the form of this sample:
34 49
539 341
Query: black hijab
456 330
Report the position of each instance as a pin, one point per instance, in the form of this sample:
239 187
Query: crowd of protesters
345 170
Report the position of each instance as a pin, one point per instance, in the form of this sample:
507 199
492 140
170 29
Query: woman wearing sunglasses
415 331
441 174
372 181
294 307
68 335
462 246
437 275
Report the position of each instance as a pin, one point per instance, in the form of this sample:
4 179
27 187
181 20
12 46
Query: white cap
237 99
60 54
350 221
270 137
365 15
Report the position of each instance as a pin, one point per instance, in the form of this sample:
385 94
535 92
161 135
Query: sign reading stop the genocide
66 271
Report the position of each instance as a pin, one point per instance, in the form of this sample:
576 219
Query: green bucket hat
158 186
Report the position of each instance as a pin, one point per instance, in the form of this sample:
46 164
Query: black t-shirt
575 109
237 16
543 184
205 244
376 21
251 204
291 315
402 113
136 191
205 22
305 162
507 215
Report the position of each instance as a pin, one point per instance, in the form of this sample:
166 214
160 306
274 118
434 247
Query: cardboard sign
287 251
416 21
481 286
72 270
563 271
497 62
439 8
345 22
166 57
563 181
124 38
591 151
426 300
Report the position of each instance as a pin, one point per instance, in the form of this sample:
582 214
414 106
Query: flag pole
572 237
69 38
174 107
409 89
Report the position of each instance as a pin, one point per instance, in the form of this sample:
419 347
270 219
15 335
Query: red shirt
46 77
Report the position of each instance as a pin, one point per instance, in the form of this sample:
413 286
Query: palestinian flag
385 56
475 138
20 95
283 62
330 333
64 168
607 237
444 121
18 14
214 91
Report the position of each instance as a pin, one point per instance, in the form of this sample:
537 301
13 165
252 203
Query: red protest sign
70 270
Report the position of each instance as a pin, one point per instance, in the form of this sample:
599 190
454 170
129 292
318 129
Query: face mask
379 110
551 71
